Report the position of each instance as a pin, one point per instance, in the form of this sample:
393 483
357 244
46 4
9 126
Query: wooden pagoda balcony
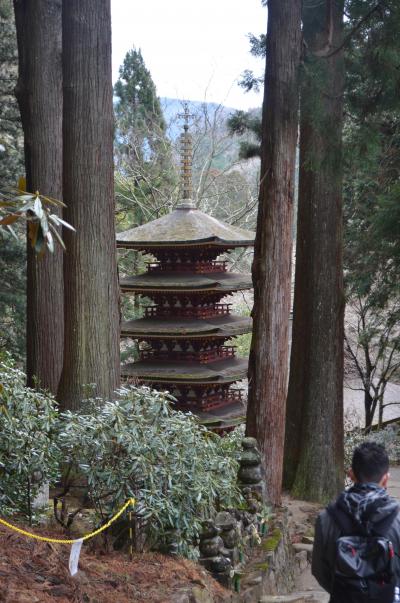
199 267
212 401
155 311
203 356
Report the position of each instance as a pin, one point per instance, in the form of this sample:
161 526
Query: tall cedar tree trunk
91 351
268 364
39 94
314 423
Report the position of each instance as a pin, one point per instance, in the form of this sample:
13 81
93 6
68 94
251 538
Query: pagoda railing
187 311
211 401
196 267
203 356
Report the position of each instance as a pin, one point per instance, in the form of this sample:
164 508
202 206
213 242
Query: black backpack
364 564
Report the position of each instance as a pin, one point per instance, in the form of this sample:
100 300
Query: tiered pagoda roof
158 371
185 226
185 282
181 328
184 331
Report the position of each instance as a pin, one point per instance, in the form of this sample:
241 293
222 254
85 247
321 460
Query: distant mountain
209 130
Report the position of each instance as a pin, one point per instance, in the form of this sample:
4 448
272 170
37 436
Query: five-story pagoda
184 331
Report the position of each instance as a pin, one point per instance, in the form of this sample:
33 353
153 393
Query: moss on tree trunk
314 420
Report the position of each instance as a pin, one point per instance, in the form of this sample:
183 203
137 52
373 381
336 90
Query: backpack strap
347 526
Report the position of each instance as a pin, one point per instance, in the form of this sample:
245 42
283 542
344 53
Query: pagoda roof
183 227
184 281
221 371
183 328
224 417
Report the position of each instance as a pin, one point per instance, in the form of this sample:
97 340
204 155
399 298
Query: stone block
225 521
42 498
302 560
200 595
307 540
300 546
292 598
181 597
217 564
210 547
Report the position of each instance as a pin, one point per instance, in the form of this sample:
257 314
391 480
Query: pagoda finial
186 154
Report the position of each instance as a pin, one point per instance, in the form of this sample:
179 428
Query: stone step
301 546
292 598
307 540
315 596
318 596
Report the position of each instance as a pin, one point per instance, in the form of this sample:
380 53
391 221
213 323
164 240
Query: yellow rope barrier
130 502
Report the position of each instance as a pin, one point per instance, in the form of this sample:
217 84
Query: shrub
29 455
137 445
179 472
389 438
355 435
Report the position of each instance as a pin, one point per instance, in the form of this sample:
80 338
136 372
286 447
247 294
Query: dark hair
370 462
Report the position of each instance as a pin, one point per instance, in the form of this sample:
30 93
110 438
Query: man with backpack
357 538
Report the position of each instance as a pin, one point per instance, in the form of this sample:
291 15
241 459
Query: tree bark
368 403
39 94
91 352
380 411
273 246
314 421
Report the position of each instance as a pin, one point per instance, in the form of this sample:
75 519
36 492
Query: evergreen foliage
372 214
12 252
250 121
12 295
136 445
11 138
258 46
372 145
145 178
242 122
140 125
29 454
178 472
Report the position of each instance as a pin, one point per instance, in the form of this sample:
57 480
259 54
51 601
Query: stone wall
272 567
250 550
244 550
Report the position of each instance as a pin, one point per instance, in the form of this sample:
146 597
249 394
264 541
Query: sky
194 49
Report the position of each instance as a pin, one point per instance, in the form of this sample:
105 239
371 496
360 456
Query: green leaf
38 208
50 242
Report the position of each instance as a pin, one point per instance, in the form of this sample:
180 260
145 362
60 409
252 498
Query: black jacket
365 505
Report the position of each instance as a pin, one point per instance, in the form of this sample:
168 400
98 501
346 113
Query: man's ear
351 475
384 480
